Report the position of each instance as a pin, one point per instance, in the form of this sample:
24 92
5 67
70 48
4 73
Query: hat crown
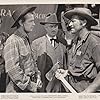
18 12
52 18
83 10
21 11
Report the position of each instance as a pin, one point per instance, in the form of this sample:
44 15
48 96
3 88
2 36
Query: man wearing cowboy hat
84 56
19 64
47 51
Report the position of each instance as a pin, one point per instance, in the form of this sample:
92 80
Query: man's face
0 22
75 24
29 23
51 29
1 45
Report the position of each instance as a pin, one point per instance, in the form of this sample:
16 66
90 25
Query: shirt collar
20 32
50 37
84 37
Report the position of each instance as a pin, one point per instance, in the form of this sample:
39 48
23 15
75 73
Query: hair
4 37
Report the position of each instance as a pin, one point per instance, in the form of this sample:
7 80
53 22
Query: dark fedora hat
50 19
21 11
84 12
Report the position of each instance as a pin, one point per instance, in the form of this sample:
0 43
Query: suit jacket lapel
50 50
56 45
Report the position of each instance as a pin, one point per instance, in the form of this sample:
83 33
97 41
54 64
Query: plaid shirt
18 59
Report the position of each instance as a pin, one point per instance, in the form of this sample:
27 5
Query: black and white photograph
50 48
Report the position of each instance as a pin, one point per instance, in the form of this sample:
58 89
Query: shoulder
93 40
61 37
13 37
37 42
60 33
13 40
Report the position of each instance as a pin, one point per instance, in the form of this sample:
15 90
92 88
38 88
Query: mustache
53 31
69 28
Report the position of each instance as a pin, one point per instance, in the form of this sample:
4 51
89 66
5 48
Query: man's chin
72 32
53 35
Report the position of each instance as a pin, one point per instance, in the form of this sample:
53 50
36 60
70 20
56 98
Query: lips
68 28
71 28
32 27
53 31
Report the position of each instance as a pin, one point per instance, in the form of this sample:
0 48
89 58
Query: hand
85 91
28 72
39 83
89 90
32 87
61 73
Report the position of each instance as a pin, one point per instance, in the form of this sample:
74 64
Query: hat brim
90 19
43 23
29 9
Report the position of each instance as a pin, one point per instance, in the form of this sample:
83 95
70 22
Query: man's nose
33 23
71 23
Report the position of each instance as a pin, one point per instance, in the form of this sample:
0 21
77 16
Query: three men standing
48 51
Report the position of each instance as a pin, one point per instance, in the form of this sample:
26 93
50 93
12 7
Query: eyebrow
0 21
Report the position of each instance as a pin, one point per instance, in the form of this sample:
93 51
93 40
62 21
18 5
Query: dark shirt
84 57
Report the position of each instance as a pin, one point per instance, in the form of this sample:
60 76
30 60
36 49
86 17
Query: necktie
53 41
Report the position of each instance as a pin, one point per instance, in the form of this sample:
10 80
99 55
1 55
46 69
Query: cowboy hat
50 19
84 12
21 12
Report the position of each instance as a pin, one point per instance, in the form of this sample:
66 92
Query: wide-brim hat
50 19
21 11
84 12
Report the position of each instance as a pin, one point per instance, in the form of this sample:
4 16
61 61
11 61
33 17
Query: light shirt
49 38
18 59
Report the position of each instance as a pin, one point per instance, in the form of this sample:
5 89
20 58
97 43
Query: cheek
48 30
76 26
56 30
28 25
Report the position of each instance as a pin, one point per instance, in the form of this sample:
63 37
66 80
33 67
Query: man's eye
72 21
0 21
51 26
55 25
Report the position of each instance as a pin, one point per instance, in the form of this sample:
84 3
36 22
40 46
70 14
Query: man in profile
84 56
22 72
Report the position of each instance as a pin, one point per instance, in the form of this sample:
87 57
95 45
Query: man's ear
45 26
84 22
20 23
